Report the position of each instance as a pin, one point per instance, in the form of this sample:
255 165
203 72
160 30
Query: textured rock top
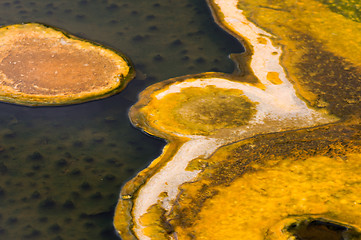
40 65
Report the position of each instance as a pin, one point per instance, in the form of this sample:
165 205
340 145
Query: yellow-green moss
156 225
196 164
348 8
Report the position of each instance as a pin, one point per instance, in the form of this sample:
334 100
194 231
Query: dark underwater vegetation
61 168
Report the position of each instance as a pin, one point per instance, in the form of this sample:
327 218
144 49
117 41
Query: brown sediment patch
332 82
40 65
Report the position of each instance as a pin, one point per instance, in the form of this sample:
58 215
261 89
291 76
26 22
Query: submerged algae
257 184
40 65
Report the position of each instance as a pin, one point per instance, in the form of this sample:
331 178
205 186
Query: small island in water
41 65
269 152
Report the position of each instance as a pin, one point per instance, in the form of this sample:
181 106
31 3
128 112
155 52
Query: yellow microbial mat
269 152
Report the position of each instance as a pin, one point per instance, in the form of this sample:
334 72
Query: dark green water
61 168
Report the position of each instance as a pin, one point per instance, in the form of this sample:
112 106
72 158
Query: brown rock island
41 65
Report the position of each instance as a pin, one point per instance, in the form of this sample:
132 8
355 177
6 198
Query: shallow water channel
61 168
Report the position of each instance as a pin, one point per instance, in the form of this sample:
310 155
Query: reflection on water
61 168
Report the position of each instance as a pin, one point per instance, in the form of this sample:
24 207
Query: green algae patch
349 8
41 65
201 110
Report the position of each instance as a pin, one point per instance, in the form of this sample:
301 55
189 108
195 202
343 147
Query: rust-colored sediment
40 65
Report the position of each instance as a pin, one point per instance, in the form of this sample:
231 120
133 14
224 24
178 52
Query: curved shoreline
279 109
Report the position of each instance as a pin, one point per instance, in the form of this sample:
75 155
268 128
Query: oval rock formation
41 65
